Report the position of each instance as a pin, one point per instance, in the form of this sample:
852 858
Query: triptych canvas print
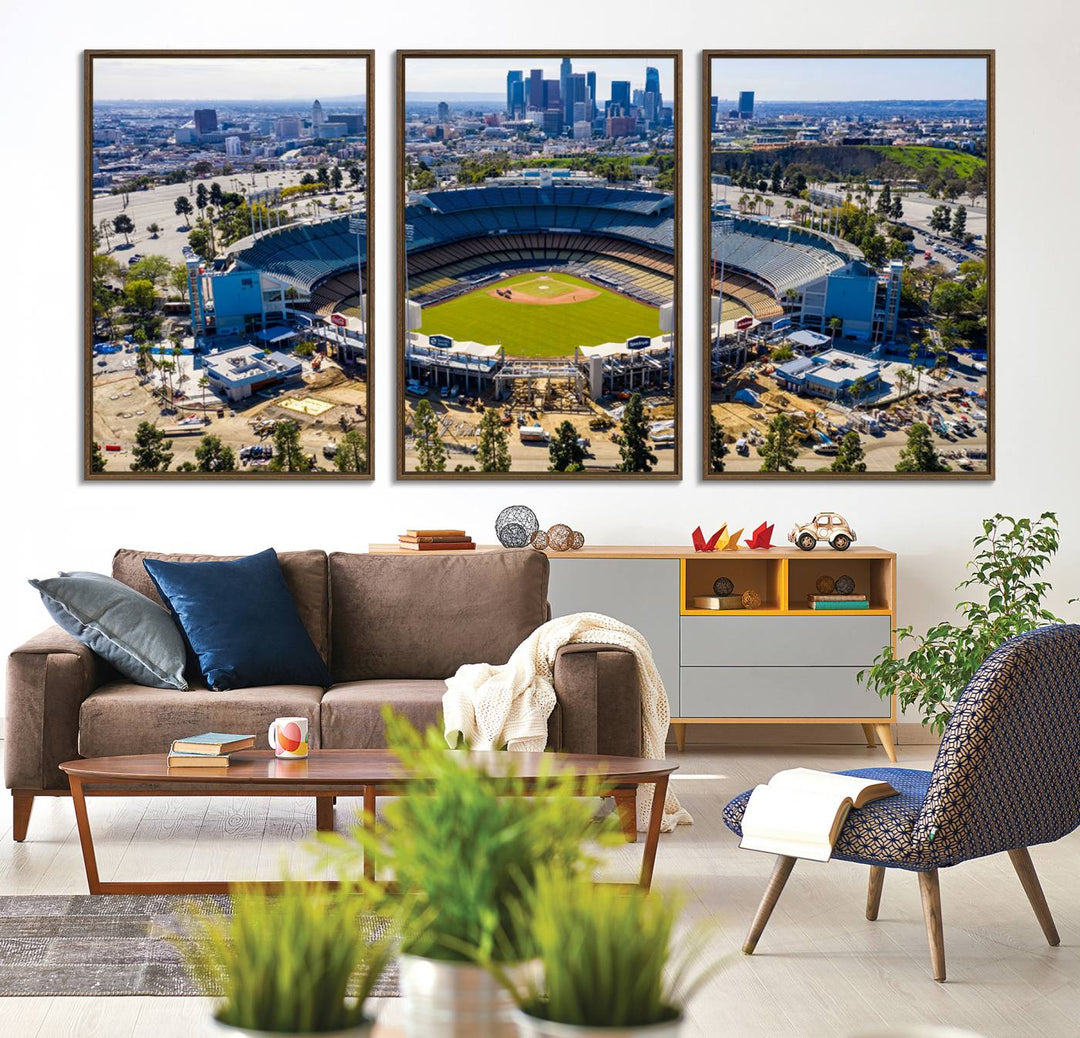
846 292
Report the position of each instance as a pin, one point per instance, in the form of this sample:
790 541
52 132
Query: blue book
212 744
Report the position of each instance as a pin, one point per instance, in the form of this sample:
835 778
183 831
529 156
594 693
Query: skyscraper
536 88
620 96
590 84
317 119
513 77
714 110
746 104
566 70
550 96
444 112
652 85
205 120
573 93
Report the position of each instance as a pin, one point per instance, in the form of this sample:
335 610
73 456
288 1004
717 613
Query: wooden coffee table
327 774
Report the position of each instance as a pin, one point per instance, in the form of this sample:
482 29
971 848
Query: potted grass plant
606 963
298 962
465 849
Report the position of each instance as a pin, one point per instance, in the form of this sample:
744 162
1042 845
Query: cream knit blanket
493 706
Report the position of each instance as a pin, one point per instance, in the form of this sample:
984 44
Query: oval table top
374 767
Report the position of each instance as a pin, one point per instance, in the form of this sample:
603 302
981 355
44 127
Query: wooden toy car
825 526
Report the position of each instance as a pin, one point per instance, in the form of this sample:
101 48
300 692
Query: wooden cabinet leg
930 892
324 814
873 891
21 806
871 740
626 805
680 736
1025 869
781 871
884 732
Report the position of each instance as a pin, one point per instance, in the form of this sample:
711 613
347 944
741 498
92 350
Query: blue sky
223 79
488 75
850 79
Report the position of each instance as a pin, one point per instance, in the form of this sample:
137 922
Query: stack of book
436 540
825 602
209 750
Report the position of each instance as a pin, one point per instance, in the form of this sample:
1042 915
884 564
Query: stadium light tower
358 226
720 229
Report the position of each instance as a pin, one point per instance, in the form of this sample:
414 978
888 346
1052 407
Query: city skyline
434 77
778 80
229 79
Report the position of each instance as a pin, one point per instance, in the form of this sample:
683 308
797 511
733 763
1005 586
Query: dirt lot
122 401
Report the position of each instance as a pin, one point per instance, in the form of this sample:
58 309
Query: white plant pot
534 1027
452 1000
359 1031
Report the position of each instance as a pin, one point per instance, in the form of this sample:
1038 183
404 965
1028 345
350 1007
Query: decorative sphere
845 585
825 585
723 586
540 540
560 537
751 599
515 526
577 542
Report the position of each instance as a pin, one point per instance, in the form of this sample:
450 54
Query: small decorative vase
452 1000
534 1027
361 1030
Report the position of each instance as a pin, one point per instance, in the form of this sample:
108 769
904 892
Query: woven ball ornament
751 599
515 526
825 585
845 585
539 540
560 537
577 542
723 586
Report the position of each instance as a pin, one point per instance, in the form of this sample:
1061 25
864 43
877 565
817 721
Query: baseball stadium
549 280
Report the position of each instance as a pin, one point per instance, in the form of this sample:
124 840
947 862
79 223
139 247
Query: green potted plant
298 962
607 966
1010 557
465 849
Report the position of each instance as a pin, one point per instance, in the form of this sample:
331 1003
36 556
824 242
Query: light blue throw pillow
136 635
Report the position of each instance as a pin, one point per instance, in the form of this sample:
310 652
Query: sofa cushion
240 619
352 712
398 616
304 571
122 718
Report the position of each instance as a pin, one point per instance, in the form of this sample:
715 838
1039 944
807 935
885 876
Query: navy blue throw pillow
240 621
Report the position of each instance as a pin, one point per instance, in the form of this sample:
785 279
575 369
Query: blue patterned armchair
1006 777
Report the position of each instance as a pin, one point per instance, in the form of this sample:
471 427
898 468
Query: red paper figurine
700 544
762 537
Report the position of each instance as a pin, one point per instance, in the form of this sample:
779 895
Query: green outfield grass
541 331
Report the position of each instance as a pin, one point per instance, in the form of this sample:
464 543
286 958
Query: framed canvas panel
228 228
848 276
539 254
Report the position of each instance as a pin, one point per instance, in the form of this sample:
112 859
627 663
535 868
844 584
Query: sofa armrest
599 699
47 680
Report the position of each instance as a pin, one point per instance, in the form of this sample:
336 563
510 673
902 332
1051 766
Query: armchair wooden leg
21 804
873 892
680 736
931 906
1021 860
781 871
871 739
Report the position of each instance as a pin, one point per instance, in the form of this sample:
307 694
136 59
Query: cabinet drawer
799 641
778 692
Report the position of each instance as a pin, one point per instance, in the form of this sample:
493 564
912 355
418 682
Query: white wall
55 521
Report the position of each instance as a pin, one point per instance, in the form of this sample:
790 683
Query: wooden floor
820 968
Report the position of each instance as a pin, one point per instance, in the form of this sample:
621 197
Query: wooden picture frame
547 236
735 361
266 311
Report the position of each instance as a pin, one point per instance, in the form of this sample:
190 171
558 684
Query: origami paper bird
761 537
700 544
733 541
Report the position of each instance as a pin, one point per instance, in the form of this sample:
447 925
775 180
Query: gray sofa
391 629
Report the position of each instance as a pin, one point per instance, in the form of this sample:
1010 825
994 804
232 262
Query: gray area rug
110 944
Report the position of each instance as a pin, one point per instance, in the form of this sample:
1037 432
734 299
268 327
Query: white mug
288 737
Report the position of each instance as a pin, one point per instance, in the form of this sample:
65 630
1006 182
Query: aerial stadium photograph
227 228
538 264
849 265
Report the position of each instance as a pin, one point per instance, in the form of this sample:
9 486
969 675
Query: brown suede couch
391 629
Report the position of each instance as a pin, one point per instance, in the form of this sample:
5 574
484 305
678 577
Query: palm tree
789 206
835 325
768 204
